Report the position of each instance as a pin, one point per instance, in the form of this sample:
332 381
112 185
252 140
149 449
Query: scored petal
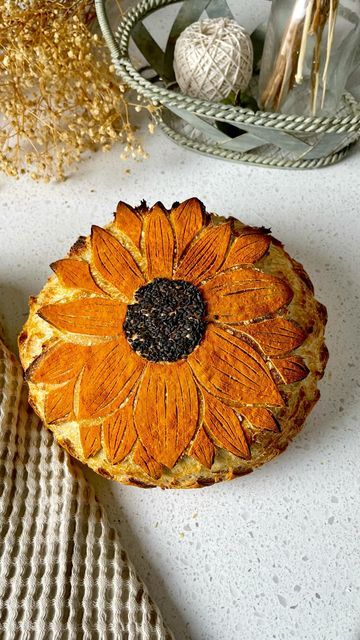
75 274
260 417
276 336
59 403
146 462
231 369
90 438
88 316
108 378
244 294
247 249
58 364
130 222
187 220
114 263
225 426
206 255
166 410
159 244
203 449
119 433
291 369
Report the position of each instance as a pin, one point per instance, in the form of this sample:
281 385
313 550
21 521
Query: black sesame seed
166 322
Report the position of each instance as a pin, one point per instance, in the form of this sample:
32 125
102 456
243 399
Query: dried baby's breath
59 95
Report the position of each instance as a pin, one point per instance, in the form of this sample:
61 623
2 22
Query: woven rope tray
268 139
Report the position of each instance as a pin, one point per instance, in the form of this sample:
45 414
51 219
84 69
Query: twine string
212 58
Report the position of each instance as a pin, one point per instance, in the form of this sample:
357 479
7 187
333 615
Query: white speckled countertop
275 554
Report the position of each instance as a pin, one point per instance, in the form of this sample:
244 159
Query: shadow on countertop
13 312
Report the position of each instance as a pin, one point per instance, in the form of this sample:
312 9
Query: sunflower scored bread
174 348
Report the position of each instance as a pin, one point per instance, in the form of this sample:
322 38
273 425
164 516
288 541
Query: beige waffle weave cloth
63 572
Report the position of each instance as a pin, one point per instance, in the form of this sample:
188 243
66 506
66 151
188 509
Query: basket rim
118 45
253 158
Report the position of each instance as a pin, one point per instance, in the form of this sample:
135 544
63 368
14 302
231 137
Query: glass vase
310 51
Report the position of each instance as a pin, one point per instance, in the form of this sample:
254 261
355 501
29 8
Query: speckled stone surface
275 554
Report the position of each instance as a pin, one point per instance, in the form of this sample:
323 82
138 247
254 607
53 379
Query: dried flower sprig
59 95
307 19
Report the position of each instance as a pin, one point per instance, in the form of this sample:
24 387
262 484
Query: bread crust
299 398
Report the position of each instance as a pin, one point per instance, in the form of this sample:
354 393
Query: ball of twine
213 58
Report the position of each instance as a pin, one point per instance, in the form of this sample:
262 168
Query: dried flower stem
282 78
300 66
289 65
331 30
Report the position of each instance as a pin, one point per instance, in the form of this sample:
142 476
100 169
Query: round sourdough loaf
174 348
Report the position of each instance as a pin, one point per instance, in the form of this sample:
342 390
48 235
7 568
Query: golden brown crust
259 433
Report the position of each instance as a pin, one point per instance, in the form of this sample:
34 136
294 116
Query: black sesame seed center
166 322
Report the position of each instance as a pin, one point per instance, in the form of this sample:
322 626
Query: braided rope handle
118 45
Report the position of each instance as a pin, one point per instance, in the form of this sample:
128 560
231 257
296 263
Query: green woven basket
267 139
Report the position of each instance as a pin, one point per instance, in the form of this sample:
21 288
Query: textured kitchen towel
63 572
